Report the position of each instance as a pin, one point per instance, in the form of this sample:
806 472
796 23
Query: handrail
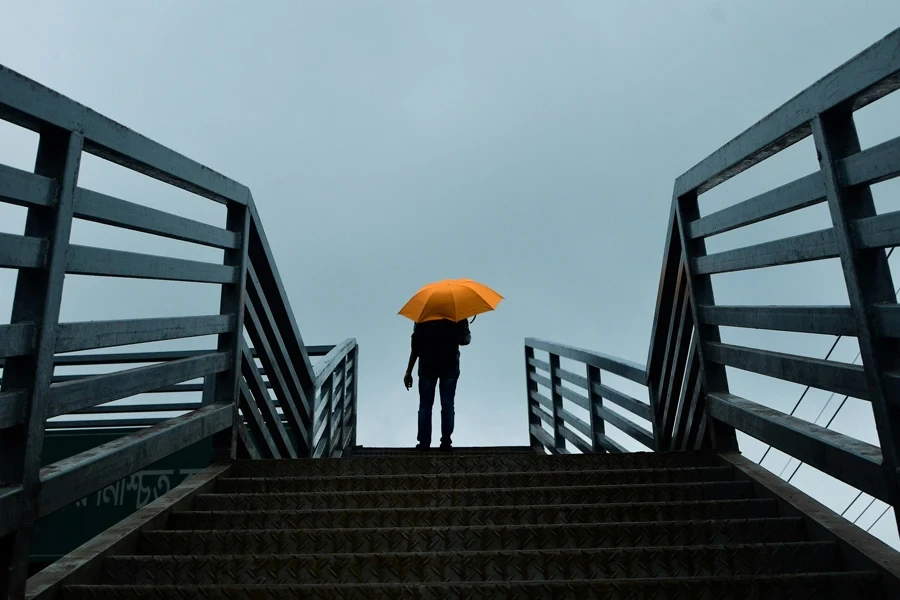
604 405
693 407
277 408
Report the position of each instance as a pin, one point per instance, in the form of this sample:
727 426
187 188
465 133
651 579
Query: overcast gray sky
529 145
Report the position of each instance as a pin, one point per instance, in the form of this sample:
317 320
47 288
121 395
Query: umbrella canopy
454 299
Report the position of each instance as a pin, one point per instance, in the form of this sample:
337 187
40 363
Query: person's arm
413 355
463 332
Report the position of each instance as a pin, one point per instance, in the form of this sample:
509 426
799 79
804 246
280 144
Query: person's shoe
421 447
446 448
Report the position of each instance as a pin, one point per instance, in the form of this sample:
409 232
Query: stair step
417 464
445 567
478 538
473 480
464 451
824 586
484 515
720 490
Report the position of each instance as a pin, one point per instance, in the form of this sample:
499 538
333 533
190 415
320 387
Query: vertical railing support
37 299
531 387
700 292
227 383
559 442
327 415
353 397
338 425
598 428
869 282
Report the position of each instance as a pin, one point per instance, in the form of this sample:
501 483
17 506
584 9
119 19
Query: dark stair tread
431 539
719 490
476 515
508 565
383 452
248 484
454 463
857 584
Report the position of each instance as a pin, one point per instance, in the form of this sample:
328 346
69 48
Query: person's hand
407 380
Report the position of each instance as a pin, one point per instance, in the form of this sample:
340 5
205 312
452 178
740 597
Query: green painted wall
61 532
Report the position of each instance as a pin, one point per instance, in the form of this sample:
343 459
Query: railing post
227 383
869 282
327 414
353 399
559 442
530 387
37 299
700 292
338 425
598 427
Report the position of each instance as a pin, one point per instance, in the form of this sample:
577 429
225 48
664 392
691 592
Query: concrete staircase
483 523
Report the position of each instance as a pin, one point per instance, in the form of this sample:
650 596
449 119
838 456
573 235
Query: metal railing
595 397
255 322
690 402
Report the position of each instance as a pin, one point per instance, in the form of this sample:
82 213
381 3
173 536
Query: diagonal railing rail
281 407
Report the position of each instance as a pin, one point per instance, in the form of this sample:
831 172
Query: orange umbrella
454 299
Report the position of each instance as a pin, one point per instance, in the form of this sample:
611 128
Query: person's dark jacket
437 343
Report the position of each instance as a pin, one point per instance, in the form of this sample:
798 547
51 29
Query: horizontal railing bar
860 81
805 247
852 461
326 366
543 437
539 364
25 188
320 447
22 252
579 380
542 400
137 408
801 193
887 319
571 437
88 260
624 368
17 339
12 408
871 166
74 395
880 231
826 320
609 444
542 414
32 105
88 335
540 380
841 378
630 404
150 357
11 507
110 423
100 208
66 481
180 388
574 421
573 396
627 427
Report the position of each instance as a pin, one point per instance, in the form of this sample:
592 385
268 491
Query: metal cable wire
865 510
875 522
830 421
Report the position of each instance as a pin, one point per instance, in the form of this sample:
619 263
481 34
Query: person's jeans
428 381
